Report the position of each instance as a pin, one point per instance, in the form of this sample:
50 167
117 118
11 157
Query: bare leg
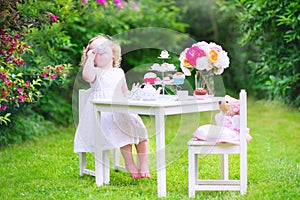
129 162
142 151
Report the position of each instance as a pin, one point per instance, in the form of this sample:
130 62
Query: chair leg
224 166
82 163
116 159
192 173
243 173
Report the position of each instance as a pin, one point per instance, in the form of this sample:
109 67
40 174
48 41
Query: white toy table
159 109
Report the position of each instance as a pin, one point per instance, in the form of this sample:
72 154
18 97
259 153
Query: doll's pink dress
119 129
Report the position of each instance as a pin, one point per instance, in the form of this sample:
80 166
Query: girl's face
103 51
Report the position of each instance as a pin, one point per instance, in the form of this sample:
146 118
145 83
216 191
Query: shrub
26 125
272 29
22 83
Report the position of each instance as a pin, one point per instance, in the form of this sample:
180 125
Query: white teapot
148 92
145 92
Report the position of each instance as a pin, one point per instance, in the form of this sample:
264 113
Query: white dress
119 129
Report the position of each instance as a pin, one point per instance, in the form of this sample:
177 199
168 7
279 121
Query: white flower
222 61
185 70
202 63
214 46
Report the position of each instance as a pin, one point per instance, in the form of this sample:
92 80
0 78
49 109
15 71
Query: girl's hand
91 54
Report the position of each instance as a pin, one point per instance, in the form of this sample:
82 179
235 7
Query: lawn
47 168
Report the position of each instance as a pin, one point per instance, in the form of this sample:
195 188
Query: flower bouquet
208 59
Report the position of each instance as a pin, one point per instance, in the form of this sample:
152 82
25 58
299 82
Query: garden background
41 46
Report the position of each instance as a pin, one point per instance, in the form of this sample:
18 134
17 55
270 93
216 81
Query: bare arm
89 71
125 90
124 87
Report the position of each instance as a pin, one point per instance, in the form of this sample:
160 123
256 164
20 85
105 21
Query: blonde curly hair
116 49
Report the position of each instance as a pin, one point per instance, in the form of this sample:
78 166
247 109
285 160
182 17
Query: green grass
47 168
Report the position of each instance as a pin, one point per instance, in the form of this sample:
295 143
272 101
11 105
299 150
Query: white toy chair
83 98
196 147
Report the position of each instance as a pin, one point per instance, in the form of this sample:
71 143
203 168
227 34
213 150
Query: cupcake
164 54
150 77
167 80
157 80
155 67
178 78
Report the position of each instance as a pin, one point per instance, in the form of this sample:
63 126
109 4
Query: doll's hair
116 49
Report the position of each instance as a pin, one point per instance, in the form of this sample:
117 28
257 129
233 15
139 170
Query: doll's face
230 108
103 51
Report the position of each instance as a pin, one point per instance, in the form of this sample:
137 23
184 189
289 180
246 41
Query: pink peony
193 54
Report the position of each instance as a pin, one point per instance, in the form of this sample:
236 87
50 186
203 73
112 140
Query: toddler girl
101 68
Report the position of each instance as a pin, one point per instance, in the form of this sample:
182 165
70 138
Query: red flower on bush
9 83
53 17
118 3
3 76
11 47
103 2
20 90
3 107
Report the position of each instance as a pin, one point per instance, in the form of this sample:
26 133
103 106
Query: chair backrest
243 117
82 99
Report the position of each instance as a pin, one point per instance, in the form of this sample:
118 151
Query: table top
167 105
162 101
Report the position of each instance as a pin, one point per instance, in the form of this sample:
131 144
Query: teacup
182 94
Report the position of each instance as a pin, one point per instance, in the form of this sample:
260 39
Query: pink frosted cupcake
150 77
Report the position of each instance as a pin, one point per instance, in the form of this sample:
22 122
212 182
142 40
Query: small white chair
83 98
196 147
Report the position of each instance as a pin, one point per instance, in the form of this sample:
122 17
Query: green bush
26 125
22 81
272 30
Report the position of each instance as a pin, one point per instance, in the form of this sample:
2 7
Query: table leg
106 170
160 153
98 150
